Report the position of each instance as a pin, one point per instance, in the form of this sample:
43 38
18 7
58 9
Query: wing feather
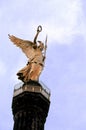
25 45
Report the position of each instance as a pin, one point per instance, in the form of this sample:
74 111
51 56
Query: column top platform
32 86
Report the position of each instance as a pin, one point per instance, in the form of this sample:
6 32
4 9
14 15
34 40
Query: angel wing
26 46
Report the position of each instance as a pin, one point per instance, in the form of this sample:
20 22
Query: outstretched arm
39 29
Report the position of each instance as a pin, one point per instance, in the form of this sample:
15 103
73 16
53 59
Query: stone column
30 106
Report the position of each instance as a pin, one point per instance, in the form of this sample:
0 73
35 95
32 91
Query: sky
64 21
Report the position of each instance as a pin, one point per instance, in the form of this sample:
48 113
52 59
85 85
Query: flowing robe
34 67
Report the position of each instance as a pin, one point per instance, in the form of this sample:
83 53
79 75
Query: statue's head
41 45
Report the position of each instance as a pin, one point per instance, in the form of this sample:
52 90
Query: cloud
66 21
2 68
61 20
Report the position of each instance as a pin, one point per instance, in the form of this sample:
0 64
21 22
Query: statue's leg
23 73
35 71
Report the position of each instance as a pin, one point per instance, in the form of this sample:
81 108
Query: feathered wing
25 45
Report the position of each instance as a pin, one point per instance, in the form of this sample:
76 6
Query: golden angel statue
36 52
